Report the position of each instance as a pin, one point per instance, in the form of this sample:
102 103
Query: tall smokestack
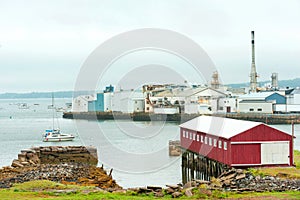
274 79
253 74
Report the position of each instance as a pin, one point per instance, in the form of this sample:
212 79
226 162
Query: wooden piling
195 166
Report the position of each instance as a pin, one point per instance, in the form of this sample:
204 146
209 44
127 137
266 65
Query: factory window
205 140
194 136
201 138
210 141
259 109
225 145
215 142
147 108
251 109
220 144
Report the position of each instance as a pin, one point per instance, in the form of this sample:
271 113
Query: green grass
297 158
283 172
40 185
38 190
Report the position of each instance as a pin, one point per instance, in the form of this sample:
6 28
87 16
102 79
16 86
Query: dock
142 116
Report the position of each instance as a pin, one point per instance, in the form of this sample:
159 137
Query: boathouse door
275 153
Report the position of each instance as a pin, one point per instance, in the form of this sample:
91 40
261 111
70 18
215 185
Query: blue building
263 102
103 101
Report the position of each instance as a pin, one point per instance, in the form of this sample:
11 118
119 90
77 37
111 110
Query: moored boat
54 135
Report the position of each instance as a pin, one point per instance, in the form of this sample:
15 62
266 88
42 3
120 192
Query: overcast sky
43 44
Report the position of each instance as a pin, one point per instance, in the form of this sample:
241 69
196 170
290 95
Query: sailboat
54 135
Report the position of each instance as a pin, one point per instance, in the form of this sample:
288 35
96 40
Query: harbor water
137 151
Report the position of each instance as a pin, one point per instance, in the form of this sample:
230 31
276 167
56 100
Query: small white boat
56 136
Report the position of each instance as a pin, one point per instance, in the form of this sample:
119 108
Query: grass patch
297 158
42 185
8 194
282 172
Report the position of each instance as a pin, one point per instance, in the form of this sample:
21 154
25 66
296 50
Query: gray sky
44 43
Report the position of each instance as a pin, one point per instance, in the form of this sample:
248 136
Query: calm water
137 151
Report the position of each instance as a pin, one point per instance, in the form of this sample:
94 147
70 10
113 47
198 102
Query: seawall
65 164
265 118
55 155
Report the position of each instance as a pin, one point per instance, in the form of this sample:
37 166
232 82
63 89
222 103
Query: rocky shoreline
33 164
234 180
64 164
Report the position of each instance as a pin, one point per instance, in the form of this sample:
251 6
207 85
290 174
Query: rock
239 171
226 183
159 194
119 191
257 178
174 152
205 191
229 177
144 190
188 192
16 163
176 194
202 182
240 176
175 187
187 185
25 163
190 184
154 188
170 190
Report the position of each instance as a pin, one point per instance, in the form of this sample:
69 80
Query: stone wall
55 155
174 148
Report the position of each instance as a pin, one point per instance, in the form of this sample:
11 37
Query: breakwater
55 155
265 118
141 116
65 164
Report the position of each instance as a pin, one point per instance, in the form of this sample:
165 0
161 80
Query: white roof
219 126
258 95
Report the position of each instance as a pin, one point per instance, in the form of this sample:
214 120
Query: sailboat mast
52 111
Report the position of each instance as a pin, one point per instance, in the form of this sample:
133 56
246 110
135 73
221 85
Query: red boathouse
237 143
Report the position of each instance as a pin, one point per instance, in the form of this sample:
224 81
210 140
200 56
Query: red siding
264 133
261 133
209 150
246 153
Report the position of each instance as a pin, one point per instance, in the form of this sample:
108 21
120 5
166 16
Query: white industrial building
292 104
80 103
262 102
127 101
199 100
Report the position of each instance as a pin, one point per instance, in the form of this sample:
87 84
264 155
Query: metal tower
253 74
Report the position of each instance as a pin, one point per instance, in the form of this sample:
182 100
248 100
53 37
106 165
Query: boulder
176 194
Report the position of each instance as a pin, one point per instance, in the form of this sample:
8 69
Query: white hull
58 138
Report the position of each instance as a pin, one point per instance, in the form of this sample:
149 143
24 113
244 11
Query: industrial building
81 103
237 143
262 102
